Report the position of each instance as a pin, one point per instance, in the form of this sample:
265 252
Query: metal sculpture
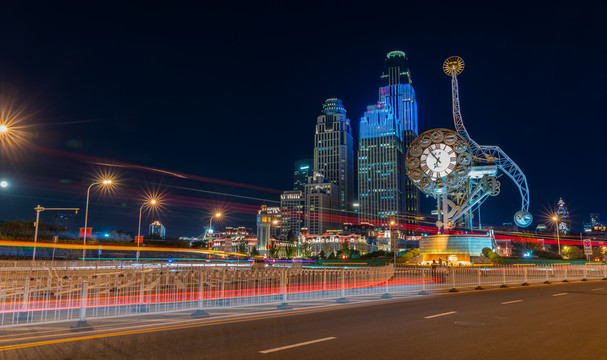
487 155
440 163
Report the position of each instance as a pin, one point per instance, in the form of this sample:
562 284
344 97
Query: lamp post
152 202
106 182
558 238
393 248
210 230
38 210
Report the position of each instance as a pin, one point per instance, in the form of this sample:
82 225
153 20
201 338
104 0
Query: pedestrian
440 262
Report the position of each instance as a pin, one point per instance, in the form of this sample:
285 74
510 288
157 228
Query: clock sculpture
457 171
440 163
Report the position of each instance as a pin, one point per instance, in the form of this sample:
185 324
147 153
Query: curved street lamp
558 238
210 230
150 203
105 182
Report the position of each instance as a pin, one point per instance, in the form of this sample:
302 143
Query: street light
210 230
3 129
393 248
558 238
152 202
38 210
105 182
3 183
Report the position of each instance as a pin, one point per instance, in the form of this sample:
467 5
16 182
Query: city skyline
175 113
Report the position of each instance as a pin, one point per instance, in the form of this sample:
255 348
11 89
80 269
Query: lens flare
14 116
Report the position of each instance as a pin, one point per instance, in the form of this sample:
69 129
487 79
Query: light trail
116 247
136 298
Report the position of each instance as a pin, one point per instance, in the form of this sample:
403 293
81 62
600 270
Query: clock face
438 160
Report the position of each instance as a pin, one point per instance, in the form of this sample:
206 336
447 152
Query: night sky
227 95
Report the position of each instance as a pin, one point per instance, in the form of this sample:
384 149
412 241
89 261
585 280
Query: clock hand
436 157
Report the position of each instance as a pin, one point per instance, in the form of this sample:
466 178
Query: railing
78 291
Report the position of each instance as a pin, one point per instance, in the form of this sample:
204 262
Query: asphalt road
559 321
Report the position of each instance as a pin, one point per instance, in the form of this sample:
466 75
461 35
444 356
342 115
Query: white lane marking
511 302
599 289
437 315
298 344
559 294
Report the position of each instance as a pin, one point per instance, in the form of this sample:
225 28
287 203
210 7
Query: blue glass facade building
386 130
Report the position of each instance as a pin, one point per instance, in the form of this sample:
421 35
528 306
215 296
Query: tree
599 252
345 248
291 236
306 250
242 247
573 252
326 247
273 252
254 251
290 251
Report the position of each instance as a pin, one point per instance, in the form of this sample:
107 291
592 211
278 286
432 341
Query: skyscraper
157 230
563 217
334 150
386 130
321 199
292 211
303 170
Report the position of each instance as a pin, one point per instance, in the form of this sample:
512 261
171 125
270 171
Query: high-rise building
563 217
303 170
292 211
386 130
157 230
334 150
321 198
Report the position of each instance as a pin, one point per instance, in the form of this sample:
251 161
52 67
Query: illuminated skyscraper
303 170
334 150
292 211
157 230
386 130
563 217
321 199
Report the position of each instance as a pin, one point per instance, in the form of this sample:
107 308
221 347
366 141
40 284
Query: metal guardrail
76 291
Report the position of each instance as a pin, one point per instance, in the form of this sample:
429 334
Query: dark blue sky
231 91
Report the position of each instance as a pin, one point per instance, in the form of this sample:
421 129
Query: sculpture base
453 249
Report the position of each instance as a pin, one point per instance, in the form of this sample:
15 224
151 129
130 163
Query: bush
409 255
541 254
495 258
373 254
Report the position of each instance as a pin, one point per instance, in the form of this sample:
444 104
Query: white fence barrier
76 291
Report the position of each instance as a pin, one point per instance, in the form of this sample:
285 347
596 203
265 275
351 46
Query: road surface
558 321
